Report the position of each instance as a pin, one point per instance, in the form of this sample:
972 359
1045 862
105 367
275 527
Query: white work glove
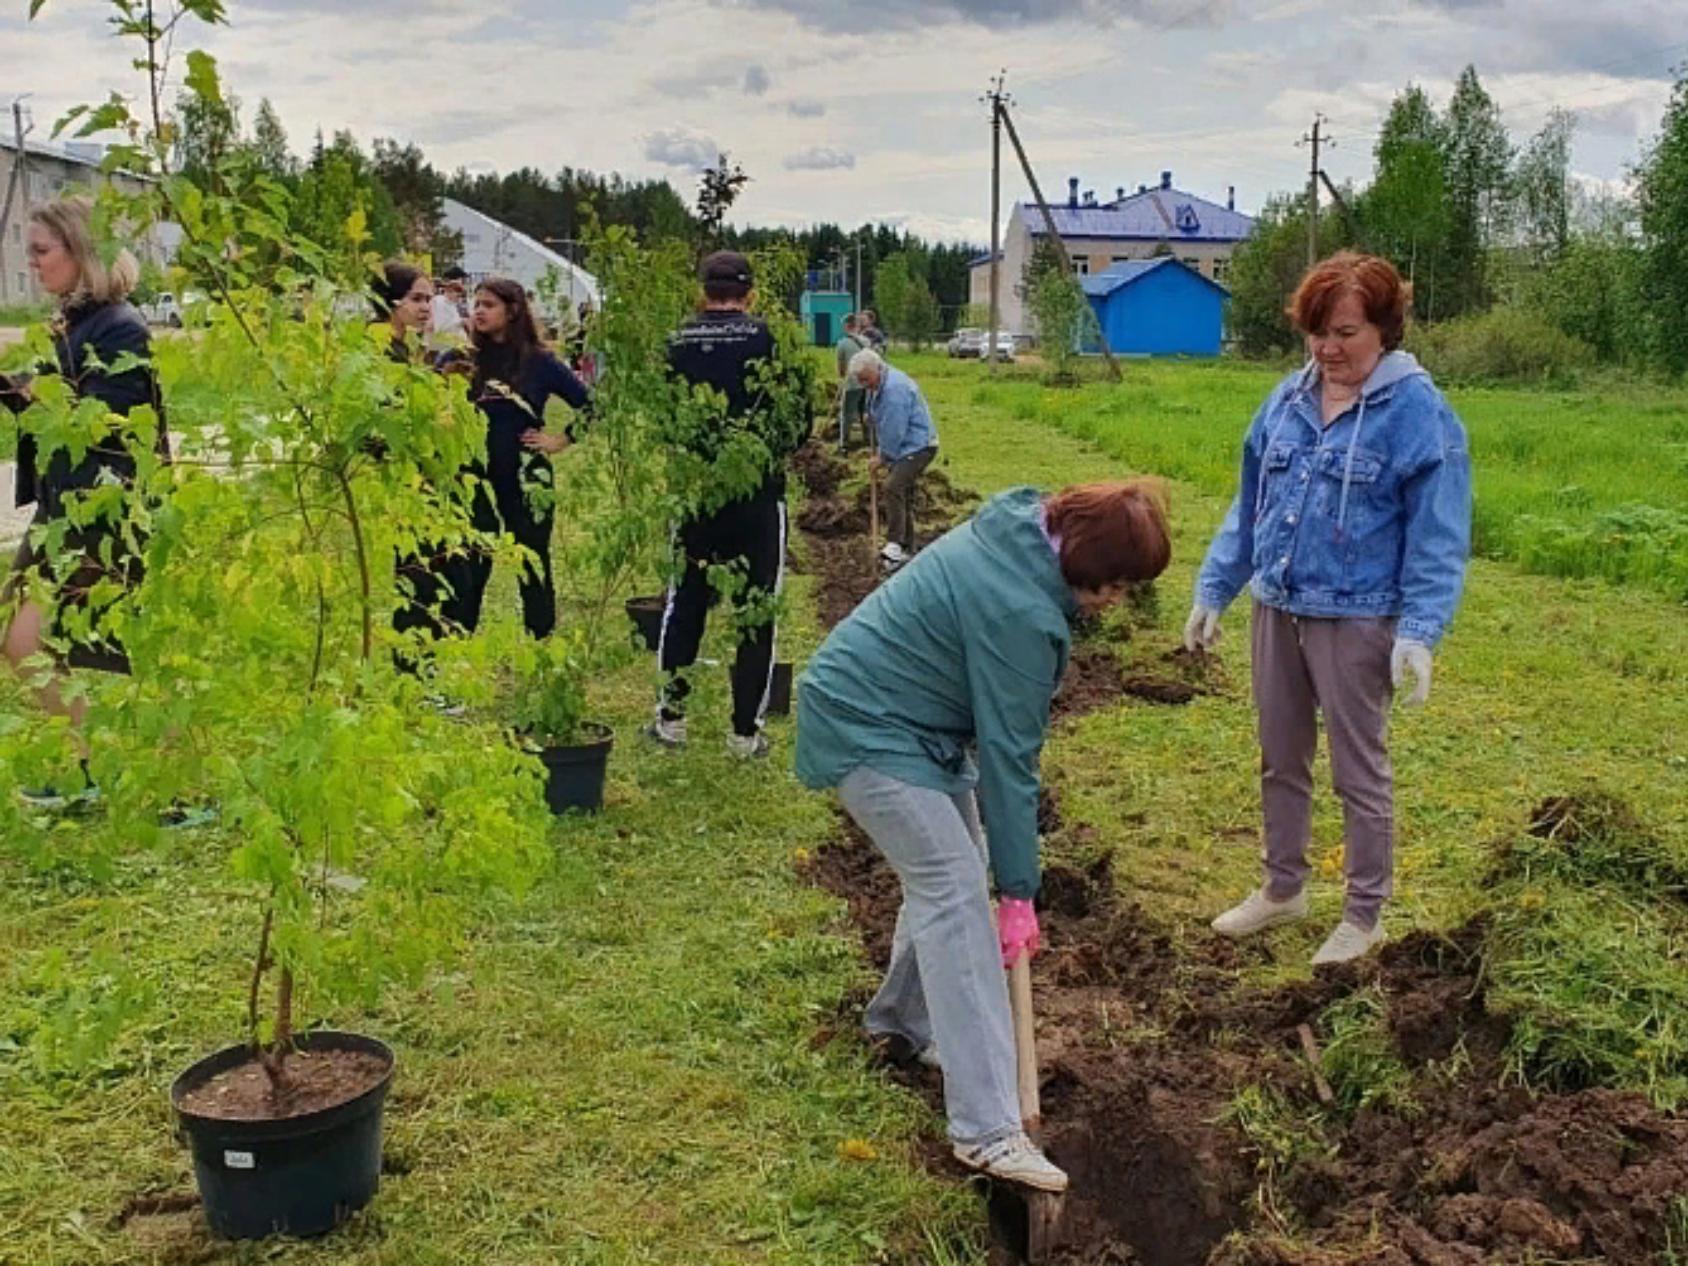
1413 657
1201 630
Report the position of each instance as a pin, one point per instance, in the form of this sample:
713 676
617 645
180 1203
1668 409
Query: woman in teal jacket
963 649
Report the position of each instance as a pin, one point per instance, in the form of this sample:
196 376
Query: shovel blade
1024 1224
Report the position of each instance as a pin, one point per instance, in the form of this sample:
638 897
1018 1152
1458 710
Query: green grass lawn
1591 482
619 1068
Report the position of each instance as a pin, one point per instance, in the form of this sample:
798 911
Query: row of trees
1479 221
919 287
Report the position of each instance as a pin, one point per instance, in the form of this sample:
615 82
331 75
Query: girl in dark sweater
512 377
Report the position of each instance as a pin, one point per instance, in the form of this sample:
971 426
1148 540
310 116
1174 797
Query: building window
1081 265
1221 267
1118 259
1190 261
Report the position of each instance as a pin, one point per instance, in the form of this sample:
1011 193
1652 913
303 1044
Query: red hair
1110 532
1383 294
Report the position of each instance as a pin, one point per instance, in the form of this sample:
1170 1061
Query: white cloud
819 158
676 147
805 108
756 80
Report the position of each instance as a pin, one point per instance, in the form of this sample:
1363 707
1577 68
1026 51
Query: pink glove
1016 929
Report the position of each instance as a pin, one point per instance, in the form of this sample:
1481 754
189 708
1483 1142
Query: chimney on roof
1142 188
1072 191
1166 180
1089 197
1119 193
1230 197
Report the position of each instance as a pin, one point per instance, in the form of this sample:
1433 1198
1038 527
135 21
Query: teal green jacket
964 646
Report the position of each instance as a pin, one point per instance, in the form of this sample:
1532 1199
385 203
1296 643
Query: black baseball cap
454 273
725 266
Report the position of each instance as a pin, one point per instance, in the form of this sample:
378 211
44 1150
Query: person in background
513 376
734 353
94 331
963 651
850 406
871 333
901 424
447 327
1351 526
429 577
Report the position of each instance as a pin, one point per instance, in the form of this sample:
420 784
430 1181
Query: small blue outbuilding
1157 307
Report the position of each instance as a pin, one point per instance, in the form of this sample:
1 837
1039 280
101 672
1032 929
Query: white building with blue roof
1150 223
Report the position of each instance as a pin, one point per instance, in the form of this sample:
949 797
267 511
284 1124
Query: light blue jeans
946 982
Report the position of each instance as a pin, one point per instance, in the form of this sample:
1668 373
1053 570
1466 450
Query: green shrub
1632 544
1501 345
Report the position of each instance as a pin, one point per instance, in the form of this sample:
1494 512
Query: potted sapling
360 828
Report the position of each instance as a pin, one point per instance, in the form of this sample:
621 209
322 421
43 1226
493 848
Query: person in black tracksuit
733 352
513 375
95 331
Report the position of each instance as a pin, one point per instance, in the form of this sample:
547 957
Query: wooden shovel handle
1025 1044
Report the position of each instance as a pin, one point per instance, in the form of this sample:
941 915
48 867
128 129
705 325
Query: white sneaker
928 1057
891 552
747 746
1257 912
1348 942
668 733
1014 1158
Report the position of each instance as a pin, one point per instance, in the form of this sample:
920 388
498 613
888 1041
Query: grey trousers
946 982
1305 668
852 413
899 496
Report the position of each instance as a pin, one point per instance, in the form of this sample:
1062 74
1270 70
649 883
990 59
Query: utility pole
858 271
998 99
1316 139
16 181
1049 221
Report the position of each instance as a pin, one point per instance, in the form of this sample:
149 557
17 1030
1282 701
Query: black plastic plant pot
779 691
301 1175
574 772
646 614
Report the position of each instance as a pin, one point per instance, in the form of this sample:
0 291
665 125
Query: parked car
966 343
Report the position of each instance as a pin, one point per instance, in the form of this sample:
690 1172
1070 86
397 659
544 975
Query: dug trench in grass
1178 1100
964 648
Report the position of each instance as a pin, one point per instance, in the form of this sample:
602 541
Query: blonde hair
71 220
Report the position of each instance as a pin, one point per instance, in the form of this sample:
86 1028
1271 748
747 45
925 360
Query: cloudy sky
847 112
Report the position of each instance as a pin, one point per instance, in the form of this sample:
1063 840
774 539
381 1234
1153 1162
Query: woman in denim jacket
1351 526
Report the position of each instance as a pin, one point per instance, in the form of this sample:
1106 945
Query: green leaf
201 78
71 115
35 6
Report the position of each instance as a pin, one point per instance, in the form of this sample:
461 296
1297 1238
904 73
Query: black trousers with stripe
751 533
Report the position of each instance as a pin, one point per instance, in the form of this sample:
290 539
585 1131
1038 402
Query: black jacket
91 339
725 350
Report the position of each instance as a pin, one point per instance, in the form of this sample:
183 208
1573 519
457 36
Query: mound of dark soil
1093 680
819 468
1144 1045
829 517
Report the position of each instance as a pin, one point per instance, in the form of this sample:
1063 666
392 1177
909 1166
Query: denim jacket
1370 516
900 414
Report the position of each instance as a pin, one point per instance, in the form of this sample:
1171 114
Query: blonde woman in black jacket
98 337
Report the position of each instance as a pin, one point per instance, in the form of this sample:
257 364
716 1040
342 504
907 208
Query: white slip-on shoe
1013 1158
1348 942
747 746
1257 912
928 1057
666 732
